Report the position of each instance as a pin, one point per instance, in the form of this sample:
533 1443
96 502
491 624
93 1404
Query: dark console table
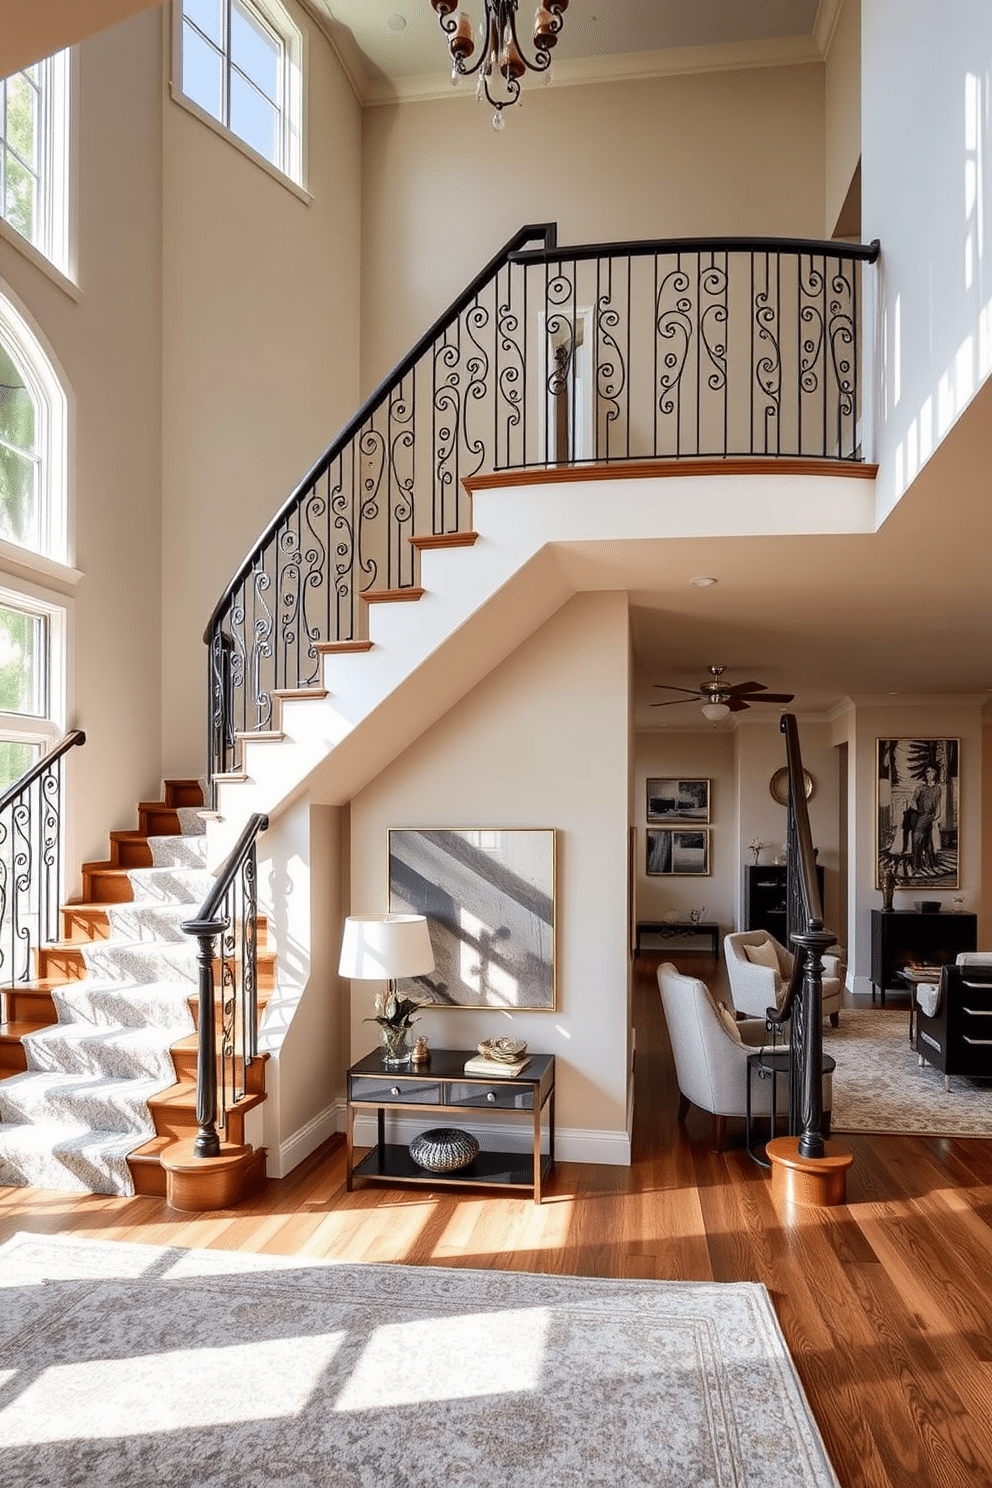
669 929
439 1090
903 938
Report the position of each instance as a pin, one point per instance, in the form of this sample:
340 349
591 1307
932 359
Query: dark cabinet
764 898
904 937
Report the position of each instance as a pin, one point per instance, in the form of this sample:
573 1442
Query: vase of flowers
394 1016
756 845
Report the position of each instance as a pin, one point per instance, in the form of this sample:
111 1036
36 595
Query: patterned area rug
133 1365
879 1085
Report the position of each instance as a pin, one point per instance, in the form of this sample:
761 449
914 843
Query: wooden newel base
195 1184
819 1182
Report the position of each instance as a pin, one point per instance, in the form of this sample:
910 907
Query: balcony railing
613 352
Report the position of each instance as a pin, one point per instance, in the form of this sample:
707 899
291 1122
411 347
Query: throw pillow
762 955
729 1021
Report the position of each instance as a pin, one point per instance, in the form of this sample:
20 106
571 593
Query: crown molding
825 25
785 51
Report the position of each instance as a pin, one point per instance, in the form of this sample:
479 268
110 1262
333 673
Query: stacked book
496 1068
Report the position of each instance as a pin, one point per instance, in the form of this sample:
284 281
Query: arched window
33 417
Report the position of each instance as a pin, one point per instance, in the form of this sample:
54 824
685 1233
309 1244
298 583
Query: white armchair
759 969
710 1050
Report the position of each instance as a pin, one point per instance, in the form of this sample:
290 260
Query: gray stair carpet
70 1120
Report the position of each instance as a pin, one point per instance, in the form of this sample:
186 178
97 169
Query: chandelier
501 62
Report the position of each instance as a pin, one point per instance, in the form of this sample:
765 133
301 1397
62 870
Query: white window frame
47 728
276 20
51 431
51 227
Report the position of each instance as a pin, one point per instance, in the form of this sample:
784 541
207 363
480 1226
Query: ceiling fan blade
773 697
674 702
736 704
745 687
668 687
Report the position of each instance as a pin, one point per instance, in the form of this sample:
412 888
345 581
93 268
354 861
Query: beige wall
107 342
542 742
842 110
260 311
738 152
740 765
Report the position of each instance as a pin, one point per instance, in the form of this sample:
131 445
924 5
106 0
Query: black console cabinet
904 937
764 898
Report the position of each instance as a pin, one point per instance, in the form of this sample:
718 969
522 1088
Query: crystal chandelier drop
501 62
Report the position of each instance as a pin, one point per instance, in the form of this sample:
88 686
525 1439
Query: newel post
207 1143
811 944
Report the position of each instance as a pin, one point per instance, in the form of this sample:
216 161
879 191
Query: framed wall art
678 801
489 898
678 852
917 812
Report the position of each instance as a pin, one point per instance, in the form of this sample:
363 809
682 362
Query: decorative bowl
444 1149
502 1050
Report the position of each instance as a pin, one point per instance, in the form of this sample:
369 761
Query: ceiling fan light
715 711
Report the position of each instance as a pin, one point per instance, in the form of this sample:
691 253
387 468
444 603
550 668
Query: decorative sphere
444 1149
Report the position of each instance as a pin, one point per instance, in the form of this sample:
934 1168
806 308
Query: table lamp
378 948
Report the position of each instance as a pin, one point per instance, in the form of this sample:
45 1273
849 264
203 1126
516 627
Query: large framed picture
678 852
489 898
678 801
917 812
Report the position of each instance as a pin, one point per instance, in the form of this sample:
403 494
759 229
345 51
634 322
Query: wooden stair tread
182 1097
431 540
342 648
11 1033
392 596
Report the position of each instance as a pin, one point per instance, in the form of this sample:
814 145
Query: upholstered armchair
759 970
710 1048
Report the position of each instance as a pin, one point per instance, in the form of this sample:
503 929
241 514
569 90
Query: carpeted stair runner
71 1119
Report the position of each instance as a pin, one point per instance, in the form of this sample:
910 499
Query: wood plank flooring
885 1302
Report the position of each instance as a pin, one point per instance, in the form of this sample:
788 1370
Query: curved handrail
602 353
67 742
546 230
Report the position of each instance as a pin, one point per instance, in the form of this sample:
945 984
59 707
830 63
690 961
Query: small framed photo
678 801
678 852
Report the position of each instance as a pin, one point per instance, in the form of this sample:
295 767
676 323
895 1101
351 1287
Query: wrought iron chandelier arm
500 53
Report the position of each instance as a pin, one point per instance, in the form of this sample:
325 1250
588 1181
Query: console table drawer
399 1089
491 1097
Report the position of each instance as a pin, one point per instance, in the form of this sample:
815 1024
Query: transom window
34 154
241 65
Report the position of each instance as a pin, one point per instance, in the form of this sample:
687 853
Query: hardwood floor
885 1301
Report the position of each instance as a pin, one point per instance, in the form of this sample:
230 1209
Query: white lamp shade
377 948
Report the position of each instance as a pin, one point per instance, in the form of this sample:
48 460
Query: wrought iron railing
32 829
227 1022
612 352
802 1006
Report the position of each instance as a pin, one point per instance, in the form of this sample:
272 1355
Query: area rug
134 1365
879 1086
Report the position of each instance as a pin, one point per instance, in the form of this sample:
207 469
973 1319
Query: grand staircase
98 1053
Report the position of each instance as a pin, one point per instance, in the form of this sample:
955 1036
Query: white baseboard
571 1144
300 1145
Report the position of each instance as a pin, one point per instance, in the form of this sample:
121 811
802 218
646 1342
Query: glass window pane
254 119
19 197
21 662
22 118
18 498
15 760
202 74
17 415
209 16
255 53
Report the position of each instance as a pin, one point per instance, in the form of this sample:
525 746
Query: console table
442 1087
906 938
668 929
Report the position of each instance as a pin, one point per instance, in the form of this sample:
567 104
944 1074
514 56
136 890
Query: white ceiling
396 48
900 615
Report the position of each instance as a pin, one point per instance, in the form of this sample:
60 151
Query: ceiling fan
720 698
